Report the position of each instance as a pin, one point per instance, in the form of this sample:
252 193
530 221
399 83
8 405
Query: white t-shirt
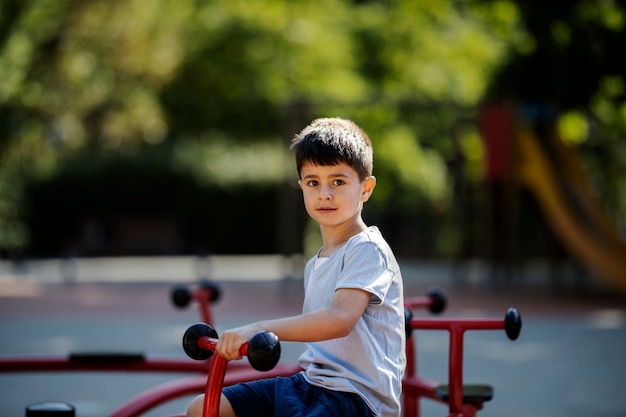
370 361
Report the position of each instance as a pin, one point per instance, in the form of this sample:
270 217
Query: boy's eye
315 183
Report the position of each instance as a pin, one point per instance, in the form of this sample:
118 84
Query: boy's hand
230 341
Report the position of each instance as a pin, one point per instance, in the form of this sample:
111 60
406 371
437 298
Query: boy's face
334 194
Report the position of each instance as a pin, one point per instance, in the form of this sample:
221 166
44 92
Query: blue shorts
292 397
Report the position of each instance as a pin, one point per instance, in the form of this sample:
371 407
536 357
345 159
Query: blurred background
161 129
147 141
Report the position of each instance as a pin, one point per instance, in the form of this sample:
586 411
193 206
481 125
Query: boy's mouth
326 209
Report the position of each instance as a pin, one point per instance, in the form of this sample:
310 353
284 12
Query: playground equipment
209 373
524 150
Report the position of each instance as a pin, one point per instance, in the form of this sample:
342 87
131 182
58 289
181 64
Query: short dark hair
331 141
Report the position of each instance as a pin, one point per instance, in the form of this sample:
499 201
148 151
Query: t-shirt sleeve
366 267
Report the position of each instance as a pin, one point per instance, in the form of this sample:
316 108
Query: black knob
512 323
439 300
408 315
181 296
190 341
263 351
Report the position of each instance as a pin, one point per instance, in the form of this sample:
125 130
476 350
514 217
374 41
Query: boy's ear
368 187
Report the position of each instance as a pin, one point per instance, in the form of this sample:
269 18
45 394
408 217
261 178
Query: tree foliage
570 57
201 79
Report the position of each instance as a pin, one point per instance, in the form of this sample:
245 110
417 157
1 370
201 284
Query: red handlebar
205 295
435 300
262 350
209 343
217 372
512 324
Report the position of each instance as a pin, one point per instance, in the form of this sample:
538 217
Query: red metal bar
203 298
218 377
159 395
414 388
163 393
62 364
420 387
418 302
455 370
215 380
214 384
466 324
410 399
207 343
410 404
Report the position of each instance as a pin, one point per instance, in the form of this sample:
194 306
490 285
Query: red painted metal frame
204 295
215 380
147 400
413 386
67 364
416 387
195 385
133 362
203 298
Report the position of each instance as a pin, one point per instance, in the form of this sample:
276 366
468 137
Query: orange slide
570 207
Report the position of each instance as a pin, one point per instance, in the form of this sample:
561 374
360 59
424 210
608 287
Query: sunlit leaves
471 145
607 13
573 127
420 169
439 51
121 76
15 58
214 160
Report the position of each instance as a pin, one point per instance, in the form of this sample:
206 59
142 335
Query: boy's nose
325 192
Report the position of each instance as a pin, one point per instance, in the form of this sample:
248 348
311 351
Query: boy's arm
329 323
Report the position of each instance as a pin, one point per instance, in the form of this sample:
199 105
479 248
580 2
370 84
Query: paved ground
570 360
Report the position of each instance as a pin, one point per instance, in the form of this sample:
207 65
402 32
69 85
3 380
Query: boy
353 316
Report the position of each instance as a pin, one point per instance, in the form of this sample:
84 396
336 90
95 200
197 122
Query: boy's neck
334 238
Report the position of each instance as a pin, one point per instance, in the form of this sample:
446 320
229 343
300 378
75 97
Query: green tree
569 57
118 77
79 75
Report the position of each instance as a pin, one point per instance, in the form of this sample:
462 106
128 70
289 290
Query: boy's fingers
228 348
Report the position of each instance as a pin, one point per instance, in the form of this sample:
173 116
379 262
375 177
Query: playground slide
572 211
